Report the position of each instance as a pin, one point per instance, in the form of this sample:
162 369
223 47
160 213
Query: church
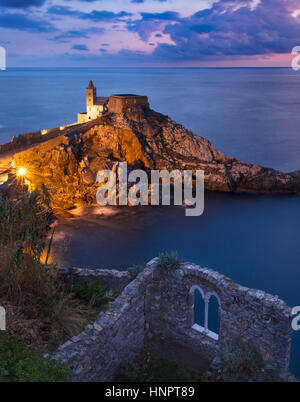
122 103
95 106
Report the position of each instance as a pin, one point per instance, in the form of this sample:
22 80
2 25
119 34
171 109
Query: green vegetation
41 311
90 293
169 261
149 367
24 225
240 361
19 364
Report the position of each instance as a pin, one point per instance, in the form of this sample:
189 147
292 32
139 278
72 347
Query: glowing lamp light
21 172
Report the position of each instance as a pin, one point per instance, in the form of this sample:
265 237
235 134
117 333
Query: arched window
213 314
204 312
199 308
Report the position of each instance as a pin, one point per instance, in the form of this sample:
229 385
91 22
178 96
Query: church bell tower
91 94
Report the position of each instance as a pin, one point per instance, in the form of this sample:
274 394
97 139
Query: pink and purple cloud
151 32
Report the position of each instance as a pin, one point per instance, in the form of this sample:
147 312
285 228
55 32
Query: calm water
252 114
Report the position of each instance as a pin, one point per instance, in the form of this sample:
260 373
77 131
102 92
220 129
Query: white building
95 106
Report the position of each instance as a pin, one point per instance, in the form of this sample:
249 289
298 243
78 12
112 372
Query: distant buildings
96 106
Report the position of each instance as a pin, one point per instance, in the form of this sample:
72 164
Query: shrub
65 316
18 364
241 361
24 225
41 311
90 293
27 284
169 261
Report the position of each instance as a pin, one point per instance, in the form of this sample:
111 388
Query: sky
142 33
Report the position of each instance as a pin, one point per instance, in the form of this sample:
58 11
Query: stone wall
157 309
111 281
244 315
23 140
127 103
116 336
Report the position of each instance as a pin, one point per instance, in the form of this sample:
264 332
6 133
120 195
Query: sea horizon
152 67
149 193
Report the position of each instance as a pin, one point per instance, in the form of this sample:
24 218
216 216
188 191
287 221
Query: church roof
101 100
91 85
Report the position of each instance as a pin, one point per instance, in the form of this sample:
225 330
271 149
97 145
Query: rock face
144 139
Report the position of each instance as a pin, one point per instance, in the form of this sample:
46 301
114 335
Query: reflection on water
121 236
252 239
108 237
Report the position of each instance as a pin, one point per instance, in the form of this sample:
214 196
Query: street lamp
21 172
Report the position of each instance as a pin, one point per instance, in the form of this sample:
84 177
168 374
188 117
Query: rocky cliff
145 139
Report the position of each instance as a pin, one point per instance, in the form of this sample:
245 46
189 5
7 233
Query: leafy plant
169 261
240 361
19 364
90 293
24 224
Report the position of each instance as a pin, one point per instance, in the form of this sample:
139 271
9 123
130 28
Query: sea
252 114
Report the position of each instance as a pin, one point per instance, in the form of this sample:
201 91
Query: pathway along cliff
69 162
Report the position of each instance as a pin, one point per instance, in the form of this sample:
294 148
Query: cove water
251 114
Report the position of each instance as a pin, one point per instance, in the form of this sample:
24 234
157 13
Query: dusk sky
149 32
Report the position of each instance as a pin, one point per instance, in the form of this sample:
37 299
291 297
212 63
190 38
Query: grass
90 293
40 311
169 261
240 361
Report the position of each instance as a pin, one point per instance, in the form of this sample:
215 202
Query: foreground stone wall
244 315
111 281
157 309
117 336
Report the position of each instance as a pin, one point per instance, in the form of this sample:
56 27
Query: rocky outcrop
145 139
170 145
